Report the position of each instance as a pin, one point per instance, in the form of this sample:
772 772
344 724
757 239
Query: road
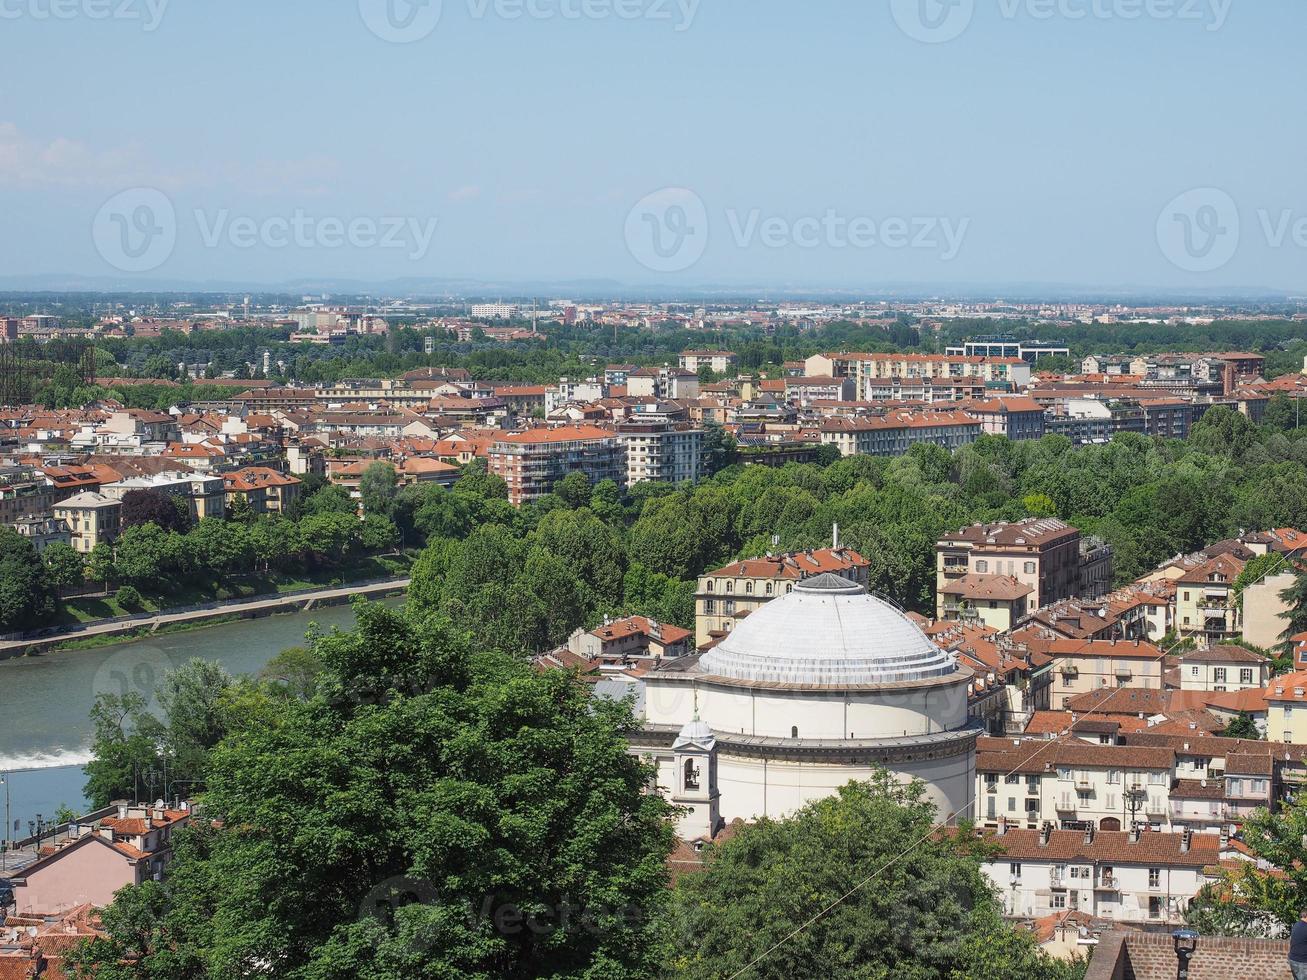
263 605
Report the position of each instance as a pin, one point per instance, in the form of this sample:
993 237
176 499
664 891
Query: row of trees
422 808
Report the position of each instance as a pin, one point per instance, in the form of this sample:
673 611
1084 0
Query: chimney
1186 840
1134 832
1002 826
1089 835
1045 829
1225 835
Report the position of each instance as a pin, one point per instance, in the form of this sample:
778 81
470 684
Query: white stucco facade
817 688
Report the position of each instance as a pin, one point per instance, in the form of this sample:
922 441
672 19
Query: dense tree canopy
426 811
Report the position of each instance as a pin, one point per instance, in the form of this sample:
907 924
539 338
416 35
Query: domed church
816 688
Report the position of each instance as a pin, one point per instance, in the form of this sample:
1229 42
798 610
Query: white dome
694 731
828 632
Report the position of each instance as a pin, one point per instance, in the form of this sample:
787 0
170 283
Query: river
45 701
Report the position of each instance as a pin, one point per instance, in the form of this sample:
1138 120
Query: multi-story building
1073 784
997 601
1027 350
1016 417
1206 607
92 518
1043 553
206 493
494 311
265 490
729 594
43 531
1286 708
23 493
531 462
1122 876
805 391
669 383
1223 668
658 449
894 433
1082 667
719 361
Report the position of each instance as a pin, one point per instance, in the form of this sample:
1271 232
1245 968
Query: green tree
100 564
574 489
1241 727
26 593
378 488
923 909
440 797
65 568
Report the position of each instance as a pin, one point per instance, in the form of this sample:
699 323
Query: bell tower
695 788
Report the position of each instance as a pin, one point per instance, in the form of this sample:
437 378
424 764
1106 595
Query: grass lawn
84 609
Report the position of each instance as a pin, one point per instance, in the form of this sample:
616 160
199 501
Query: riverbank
45 701
121 628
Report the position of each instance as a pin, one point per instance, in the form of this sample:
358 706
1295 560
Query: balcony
1124 673
1106 883
1066 804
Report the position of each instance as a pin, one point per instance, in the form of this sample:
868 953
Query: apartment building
1043 553
869 367
205 492
1223 668
92 518
1130 876
997 601
895 432
633 638
42 531
1091 666
667 383
805 391
728 594
1286 708
656 448
531 462
23 493
1072 784
1016 418
267 491
719 361
1206 607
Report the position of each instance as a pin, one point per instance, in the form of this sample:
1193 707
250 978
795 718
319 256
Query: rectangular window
1114 776
1218 675
1012 779
1154 877
1246 675
1011 804
982 566
1156 778
1014 869
1058 900
1030 568
1064 773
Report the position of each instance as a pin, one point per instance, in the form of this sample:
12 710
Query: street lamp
1186 941
4 846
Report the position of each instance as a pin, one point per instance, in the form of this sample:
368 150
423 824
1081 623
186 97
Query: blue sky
1035 146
